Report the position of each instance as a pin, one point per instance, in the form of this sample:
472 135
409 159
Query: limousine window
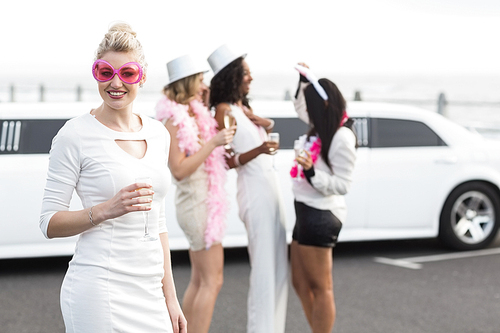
385 133
34 136
28 136
289 129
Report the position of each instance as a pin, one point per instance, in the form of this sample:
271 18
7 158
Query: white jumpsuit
261 209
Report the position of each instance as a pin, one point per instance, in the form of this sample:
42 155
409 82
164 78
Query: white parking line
415 262
398 262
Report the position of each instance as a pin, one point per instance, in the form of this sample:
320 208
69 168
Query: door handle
447 160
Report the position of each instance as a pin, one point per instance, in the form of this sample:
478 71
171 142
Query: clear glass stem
146 223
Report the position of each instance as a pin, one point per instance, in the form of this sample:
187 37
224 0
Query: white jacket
328 185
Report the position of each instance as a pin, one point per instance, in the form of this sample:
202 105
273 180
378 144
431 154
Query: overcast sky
348 36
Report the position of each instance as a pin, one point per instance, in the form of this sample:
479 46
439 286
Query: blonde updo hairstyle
184 90
121 38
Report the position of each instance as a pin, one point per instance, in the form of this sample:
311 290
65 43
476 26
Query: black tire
470 217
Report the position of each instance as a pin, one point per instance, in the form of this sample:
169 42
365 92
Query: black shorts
315 227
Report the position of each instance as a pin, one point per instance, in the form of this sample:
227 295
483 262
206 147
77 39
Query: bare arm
265 148
70 223
299 100
177 318
183 166
62 178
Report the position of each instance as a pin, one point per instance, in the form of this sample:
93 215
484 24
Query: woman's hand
305 160
224 136
179 322
71 223
126 201
264 122
268 147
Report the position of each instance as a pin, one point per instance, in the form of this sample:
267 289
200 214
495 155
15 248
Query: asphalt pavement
437 292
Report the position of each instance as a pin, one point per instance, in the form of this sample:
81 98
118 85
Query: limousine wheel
470 217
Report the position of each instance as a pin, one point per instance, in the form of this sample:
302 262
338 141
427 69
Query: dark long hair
325 116
225 86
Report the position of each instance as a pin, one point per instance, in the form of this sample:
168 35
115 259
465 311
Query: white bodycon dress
113 283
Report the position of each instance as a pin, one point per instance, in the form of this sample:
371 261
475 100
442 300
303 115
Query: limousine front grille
11 133
28 136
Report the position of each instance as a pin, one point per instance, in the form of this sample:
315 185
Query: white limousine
418 175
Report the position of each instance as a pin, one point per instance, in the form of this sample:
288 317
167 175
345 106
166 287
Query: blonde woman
115 282
198 166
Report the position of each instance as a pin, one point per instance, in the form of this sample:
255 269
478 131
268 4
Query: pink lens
130 73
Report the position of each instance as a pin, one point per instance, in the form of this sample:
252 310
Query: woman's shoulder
73 126
223 105
83 118
71 134
344 134
344 131
152 123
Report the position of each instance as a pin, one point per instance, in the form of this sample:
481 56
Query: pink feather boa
215 165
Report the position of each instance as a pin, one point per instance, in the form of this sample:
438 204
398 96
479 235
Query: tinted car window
289 129
402 133
34 136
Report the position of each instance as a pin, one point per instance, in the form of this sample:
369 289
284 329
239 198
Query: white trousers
268 292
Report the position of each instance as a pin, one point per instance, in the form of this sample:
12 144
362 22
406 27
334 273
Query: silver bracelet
90 217
271 126
237 160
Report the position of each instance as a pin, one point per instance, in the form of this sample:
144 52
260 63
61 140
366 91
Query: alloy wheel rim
472 217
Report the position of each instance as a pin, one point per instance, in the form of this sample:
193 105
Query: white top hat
222 57
184 66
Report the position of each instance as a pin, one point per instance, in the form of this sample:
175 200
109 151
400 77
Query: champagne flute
274 137
145 214
229 121
297 146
